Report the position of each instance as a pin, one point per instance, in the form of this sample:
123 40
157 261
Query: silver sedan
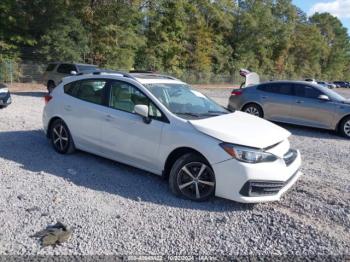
295 102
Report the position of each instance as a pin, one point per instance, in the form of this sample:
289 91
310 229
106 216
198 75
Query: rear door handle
67 108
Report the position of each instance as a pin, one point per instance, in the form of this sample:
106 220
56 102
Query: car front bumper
254 183
5 99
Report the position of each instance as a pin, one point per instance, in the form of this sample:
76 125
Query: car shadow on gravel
312 132
33 152
33 94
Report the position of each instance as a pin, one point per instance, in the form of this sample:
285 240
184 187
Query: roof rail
147 73
105 71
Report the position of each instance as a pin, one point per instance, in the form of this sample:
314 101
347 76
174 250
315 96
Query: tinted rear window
50 67
277 88
86 67
66 68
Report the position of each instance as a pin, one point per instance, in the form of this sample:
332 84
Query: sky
339 8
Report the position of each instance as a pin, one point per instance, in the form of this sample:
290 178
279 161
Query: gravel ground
117 209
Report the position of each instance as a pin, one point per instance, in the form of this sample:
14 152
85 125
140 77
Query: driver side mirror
73 72
323 97
142 110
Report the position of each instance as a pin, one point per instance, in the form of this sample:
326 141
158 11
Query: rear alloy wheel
253 109
60 138
344 127
192 178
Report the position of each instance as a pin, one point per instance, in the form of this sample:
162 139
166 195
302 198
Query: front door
309 110
127 137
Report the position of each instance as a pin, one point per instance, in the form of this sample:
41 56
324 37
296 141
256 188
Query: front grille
254 188
290 156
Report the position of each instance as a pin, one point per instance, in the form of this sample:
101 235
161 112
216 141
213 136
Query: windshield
332 94
185 102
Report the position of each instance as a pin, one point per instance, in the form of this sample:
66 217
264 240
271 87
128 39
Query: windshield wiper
187 114
217 112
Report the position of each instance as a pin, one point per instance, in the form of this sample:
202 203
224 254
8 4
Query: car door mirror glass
323 97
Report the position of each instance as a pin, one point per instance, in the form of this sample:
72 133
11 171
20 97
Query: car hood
242 129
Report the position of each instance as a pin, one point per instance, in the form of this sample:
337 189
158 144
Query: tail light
47 98
236 93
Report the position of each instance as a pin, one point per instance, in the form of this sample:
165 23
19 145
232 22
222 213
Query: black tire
253 109
201 188
344 127
50 86
61 138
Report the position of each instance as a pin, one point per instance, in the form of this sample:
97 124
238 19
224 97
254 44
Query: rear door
84 113
309 110
276 100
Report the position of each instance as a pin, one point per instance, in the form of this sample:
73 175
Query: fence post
11 72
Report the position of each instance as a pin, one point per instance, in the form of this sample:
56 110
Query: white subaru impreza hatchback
160 124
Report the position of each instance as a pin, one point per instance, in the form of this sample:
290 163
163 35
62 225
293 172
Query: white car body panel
124 137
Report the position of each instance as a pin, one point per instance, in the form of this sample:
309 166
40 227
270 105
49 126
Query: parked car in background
160 124
326 84
295 102
341 84
311 80
5 96
57 70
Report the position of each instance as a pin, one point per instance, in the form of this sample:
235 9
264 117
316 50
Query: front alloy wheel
192 178
60 138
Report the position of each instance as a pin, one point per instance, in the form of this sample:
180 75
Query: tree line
272 37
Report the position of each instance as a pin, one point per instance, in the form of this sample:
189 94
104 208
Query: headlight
4 90
247 154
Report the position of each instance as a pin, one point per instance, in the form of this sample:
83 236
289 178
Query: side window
307 91
91 90
71 88
124 97
286 89
277 88
66 68
50 67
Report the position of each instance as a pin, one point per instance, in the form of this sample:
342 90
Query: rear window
50 67
86 67
66 68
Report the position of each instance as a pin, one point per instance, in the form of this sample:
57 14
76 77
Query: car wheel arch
176 154
49 126
340 121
